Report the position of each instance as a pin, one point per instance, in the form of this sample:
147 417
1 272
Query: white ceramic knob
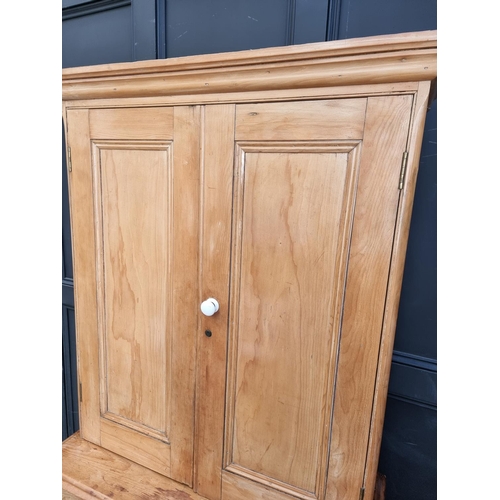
209 307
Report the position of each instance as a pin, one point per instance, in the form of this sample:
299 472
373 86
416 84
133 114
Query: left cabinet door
134 189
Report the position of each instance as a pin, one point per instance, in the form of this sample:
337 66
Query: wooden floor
91 472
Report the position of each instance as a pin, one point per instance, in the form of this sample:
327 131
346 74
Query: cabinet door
134 210
313 190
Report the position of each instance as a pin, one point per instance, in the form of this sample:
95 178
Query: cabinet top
405 57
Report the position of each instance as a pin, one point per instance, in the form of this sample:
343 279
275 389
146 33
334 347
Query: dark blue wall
119 30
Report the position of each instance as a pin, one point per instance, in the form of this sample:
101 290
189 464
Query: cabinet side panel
395 282
386 132
82 225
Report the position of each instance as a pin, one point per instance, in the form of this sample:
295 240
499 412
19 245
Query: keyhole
208 333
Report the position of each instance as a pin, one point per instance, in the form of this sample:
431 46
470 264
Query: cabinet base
90 472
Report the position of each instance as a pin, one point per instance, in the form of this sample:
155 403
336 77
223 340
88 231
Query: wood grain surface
215 217
280 198
419 112
384 142
185 305
403 57
299 94
300 121
283 324
91 472
148 124
136 262
140 333
84 270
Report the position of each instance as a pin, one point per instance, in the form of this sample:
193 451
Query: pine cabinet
278 183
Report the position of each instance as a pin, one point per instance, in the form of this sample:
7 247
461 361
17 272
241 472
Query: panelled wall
104 31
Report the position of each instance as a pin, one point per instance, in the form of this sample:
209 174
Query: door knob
209 307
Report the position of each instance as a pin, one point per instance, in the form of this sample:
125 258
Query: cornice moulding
406 57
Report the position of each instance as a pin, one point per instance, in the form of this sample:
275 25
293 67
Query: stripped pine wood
289 246
91 472
395 282
234 488
340 48
385 139
301 121
136 277
84 269
217 185
138 269
185 305
405 57
302 94
142 449
269 180
135 124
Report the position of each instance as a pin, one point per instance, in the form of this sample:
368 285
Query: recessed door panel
136 282
294 201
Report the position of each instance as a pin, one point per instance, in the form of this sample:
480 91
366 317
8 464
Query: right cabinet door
315 190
